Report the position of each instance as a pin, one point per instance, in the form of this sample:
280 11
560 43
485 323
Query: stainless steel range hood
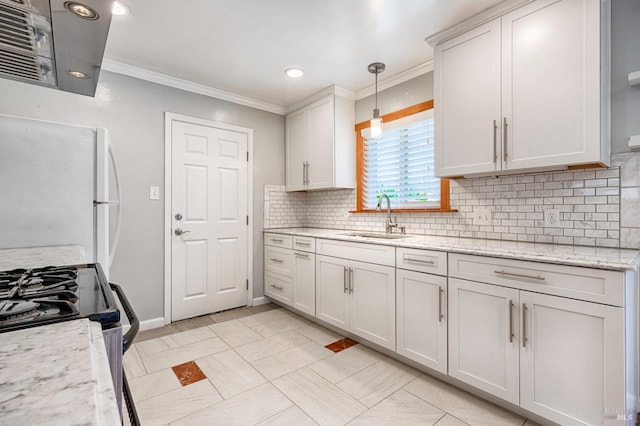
44 42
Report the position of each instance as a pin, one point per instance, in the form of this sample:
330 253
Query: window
400 164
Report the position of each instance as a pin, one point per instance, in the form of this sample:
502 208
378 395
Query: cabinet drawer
278 240
278 260
371 253
432 262
593 285
304 243
278 287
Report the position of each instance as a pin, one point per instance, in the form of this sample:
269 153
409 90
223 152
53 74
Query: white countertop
56 374
593 257
36 257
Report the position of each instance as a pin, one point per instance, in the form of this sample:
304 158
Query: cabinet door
572 360
467 102
296 149
551 83
332 298
422 327
320 144
373 307
483 344
304 282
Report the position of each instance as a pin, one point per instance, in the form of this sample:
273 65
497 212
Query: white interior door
209 185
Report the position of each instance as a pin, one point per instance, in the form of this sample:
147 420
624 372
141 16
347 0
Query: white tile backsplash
597 207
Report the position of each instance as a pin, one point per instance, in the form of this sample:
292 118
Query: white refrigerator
54 187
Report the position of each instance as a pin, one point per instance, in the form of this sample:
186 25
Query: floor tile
321 400
224 316
401 408
289 417
460 404
188 373
346 363
179 355
378 381
290 360
229 373
318 334
235 333
270 345
154 333
341 345
133 366
247 408
175 340
153 384
176 404
279 326
449 420
191 323
256 309
266 317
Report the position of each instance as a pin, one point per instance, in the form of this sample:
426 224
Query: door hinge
247 284
247 155
247 220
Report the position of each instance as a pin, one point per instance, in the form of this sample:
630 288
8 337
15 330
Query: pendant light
376 122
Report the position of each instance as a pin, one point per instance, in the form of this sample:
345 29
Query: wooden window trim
444 183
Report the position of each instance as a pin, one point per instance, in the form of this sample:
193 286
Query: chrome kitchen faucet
390 223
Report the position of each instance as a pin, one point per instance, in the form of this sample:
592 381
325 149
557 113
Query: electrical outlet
552 218
482 217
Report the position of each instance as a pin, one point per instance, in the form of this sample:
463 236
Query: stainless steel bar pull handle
411 259
495 141
524 325
276 260
440 294
306 256
350 281
345 277
277 287
276 240
512 274
504 138
299 243
510 321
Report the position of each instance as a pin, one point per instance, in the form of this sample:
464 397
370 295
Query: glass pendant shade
376 125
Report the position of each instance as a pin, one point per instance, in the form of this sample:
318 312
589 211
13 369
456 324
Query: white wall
133 112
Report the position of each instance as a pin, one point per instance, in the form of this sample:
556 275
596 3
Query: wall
133 112
598 207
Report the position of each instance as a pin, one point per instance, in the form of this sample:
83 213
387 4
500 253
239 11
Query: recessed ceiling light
119 8
81 10
294 72
78 74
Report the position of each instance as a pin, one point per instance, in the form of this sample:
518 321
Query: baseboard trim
260 301
151 323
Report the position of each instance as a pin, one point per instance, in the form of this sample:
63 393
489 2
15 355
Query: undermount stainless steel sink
374 235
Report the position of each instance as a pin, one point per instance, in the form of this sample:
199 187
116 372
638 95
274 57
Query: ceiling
244 46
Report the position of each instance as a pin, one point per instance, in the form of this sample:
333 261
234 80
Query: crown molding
331 90
177 83
396 79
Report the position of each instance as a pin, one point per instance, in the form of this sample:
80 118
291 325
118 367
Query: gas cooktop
38 296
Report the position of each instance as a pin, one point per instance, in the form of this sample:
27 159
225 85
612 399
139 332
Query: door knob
179 232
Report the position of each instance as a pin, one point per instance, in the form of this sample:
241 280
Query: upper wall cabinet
524 86
320 145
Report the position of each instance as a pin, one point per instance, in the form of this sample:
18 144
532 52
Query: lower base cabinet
304 285
421 335
560 358
358 297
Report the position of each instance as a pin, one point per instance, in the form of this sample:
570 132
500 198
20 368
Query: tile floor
267 366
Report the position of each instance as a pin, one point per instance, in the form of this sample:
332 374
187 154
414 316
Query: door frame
168 118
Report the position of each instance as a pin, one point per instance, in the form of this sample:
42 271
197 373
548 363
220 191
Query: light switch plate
154 192
482 217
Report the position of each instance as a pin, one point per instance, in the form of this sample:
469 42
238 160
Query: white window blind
401 164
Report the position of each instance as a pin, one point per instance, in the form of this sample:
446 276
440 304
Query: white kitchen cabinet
523 91
483 344
421 333
290 274
358 297
320 145
571 359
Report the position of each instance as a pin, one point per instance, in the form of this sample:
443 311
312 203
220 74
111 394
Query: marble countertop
36 257
593 257
56 373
